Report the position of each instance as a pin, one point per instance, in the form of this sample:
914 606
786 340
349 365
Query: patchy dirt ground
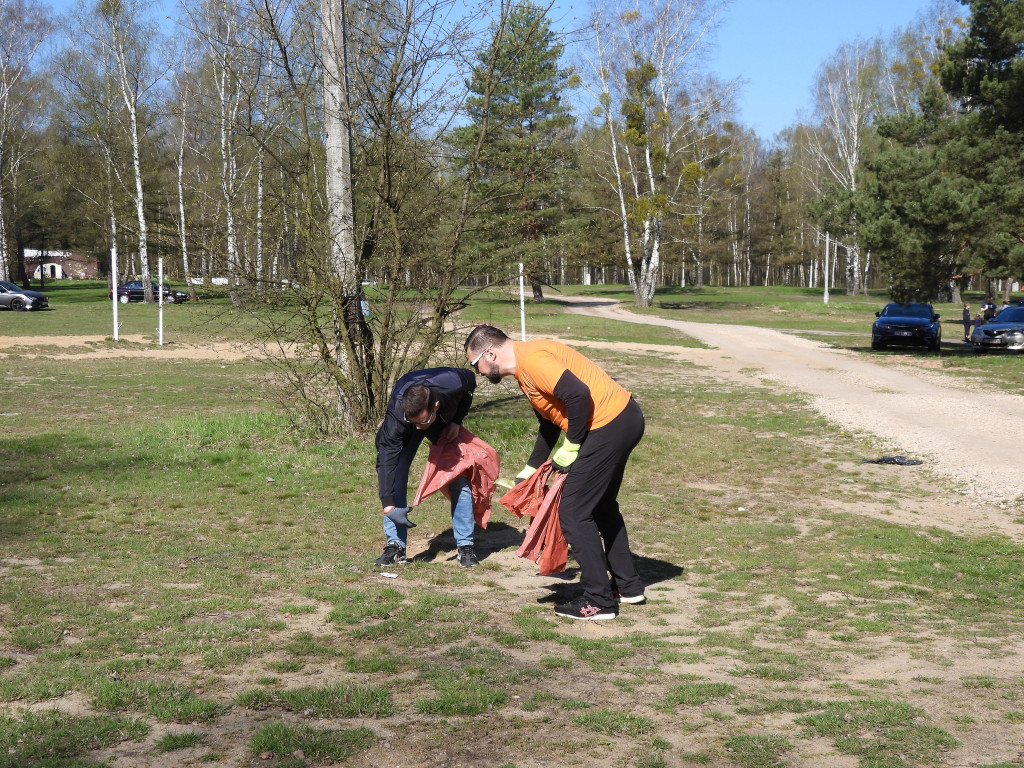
975 482
966 435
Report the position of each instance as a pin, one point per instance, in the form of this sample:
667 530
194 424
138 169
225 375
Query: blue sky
777 47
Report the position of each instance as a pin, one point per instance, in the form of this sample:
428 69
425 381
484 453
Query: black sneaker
394 553
467 557
581 608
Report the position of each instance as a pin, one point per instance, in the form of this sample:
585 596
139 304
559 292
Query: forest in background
424 146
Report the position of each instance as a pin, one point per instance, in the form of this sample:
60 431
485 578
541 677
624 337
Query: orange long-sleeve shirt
541 363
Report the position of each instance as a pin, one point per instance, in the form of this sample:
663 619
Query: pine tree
943 191
527 150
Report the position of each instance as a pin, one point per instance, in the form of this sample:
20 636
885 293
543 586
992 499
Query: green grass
56 740
176 558
172 742
278 743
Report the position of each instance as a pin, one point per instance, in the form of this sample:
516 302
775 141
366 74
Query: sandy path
101 347
968 436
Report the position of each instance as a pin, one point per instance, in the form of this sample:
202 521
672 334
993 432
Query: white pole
113 283
826 266
160 302
522 304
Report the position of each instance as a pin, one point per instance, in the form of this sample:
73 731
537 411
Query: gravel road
967 435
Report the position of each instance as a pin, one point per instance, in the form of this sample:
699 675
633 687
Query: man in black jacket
428 403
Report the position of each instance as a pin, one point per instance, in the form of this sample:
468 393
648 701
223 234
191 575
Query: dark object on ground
910 324
903 461
1005 331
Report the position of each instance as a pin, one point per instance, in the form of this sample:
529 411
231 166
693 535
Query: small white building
59 265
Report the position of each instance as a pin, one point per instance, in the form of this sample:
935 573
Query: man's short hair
415 400
483 336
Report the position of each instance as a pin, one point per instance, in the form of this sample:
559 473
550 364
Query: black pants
589 509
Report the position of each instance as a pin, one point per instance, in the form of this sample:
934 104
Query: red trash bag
465 454
544 542
525 498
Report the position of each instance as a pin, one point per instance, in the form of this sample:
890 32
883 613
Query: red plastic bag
468 455
544 542
524 499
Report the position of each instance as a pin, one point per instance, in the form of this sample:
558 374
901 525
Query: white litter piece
387 575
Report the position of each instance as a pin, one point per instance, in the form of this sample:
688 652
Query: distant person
600 424
979 320
968 321
988 308
428 403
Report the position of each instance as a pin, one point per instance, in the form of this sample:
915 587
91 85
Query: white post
113 283
826 266
160 302
522 304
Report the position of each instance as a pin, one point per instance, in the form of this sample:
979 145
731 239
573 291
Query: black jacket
397 439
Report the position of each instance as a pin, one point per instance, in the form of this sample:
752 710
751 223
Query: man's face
486 365
424 418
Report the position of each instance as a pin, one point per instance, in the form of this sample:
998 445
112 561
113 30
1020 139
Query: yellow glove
525 473
564 455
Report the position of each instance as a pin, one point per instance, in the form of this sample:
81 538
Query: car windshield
9 286
907 310
1011 315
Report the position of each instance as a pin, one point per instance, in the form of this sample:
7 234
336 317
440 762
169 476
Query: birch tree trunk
349 351
642 57
129 45
24 25
182 220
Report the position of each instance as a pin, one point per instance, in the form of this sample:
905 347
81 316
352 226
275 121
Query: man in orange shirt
600 424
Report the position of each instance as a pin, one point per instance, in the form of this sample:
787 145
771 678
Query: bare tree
125 48
233 61
641 60
25 24
847 99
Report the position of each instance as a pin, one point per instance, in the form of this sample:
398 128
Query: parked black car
1004 331
135 290
910 324
17 298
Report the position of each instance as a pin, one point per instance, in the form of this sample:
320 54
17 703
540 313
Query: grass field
184 581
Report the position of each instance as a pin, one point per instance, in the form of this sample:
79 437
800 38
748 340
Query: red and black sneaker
584 610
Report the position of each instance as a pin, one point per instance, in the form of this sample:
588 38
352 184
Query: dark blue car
911 324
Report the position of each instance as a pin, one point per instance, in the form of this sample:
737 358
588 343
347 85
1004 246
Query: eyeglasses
476 361
426 421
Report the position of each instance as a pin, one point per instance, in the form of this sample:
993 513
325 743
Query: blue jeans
462 516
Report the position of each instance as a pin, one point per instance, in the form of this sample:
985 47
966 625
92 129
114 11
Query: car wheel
168 299
123 298
878 345
18 305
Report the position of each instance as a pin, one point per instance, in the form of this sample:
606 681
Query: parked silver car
1004 331
17 298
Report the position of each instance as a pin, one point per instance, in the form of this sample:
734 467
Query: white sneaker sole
598 617
634 600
